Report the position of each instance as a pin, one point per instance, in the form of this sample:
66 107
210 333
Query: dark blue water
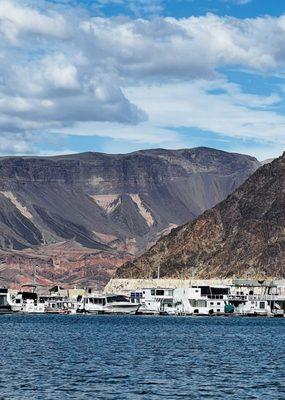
111 357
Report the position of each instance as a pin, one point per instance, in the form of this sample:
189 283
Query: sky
117 76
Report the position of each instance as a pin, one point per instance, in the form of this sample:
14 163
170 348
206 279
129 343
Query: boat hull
113 308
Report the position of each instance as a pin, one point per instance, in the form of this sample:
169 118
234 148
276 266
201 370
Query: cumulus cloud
217 106
16 20
138 8
187 48
59 69
12 142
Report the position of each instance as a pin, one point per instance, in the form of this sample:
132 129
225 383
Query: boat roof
154 288
254 283
104 295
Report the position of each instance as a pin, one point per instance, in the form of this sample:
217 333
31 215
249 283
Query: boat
54 304
5 307
256 298
96 303
202 300
154 301
26 302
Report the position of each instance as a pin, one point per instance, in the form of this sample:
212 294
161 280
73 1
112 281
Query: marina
240 298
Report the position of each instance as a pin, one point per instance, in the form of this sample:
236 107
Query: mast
158 271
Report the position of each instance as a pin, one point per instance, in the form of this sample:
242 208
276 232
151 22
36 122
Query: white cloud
186 48
16 143
137 7
16 20
144 133
194 105
62 71
231 113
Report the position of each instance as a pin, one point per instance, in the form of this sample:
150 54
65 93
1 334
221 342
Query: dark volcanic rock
243 236
111 202
127 196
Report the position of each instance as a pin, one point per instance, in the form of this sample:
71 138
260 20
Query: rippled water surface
132 357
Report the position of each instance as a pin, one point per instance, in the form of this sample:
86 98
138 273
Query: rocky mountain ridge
109 204
243 236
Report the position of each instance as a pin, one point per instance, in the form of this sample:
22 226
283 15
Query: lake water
134 357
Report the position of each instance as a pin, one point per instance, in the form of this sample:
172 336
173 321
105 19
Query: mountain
243 236
102 204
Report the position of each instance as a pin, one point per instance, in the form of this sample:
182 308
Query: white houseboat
256 298
202 300
97 303
26 302
154 301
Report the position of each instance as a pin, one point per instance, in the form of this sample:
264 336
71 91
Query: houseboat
97 303
202 300
154 301
5 307
256 298
26 302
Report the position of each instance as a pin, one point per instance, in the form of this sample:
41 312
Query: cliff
243 236
117 205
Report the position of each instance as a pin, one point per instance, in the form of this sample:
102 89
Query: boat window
152 292
262 304
218 303
218 310
118 298
211 303
160 292
198 303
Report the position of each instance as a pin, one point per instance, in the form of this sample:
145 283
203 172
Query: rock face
65 262
243 236
110 204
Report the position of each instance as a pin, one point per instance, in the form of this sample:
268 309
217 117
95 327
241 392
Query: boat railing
216 296
266 297
237 297
255 297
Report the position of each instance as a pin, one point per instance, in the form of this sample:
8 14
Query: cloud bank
61 68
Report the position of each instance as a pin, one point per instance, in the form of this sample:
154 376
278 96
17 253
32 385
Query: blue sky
122 75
